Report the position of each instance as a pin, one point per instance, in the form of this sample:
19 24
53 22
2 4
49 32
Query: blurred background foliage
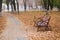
56 3
4 1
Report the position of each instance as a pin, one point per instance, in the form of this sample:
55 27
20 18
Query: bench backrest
46 20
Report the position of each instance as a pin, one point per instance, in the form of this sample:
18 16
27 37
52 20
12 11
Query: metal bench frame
47 27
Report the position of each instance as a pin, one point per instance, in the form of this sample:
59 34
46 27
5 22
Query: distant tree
24 4
14 4
36 3
0 5
4 1
48 3
11 5
17 1
58 4
45 4
8 2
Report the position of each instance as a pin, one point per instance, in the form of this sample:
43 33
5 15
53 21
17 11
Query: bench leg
50 28
37 29
46 28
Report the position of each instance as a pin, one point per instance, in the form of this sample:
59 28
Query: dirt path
14 30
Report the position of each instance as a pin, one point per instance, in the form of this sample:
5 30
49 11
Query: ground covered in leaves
2 23
28 17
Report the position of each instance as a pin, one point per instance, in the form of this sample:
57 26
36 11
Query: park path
14 30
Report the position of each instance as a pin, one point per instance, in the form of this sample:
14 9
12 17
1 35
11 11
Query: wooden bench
42 22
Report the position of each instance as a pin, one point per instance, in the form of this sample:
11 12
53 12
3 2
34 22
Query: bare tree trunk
47 4
36 3
24 4
7 2
11 5
14 5
17 6
0 7
50 3
30 4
